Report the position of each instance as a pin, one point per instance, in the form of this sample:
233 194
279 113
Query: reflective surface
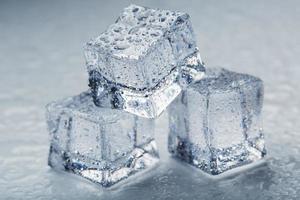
41 59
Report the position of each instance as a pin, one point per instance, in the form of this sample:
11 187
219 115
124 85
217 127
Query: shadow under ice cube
216 123
100 144
143 60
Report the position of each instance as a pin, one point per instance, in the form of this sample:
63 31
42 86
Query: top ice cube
142 47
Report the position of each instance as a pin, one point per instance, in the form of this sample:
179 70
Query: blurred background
41 60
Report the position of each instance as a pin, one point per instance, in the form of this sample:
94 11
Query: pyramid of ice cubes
147 61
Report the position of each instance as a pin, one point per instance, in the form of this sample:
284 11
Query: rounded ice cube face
216 123
252 92
106 141
99 142
224 118
142 47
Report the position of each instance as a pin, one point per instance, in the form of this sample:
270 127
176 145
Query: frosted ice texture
216 123
145 56
100 144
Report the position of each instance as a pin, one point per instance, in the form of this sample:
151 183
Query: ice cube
143 60
215 124
101 144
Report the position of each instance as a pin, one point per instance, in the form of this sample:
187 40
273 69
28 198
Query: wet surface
41 59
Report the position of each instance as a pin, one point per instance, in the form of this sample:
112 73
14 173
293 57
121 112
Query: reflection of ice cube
137 63
216 123
101 144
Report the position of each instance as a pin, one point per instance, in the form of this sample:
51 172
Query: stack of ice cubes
144 63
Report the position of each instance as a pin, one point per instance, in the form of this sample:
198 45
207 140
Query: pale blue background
41 59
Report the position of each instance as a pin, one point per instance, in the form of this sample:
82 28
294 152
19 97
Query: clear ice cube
215 124
101 144
143 60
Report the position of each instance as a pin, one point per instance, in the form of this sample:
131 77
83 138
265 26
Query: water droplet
118 29
121 46
133 30
142 18
135 10
154 34
162 19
